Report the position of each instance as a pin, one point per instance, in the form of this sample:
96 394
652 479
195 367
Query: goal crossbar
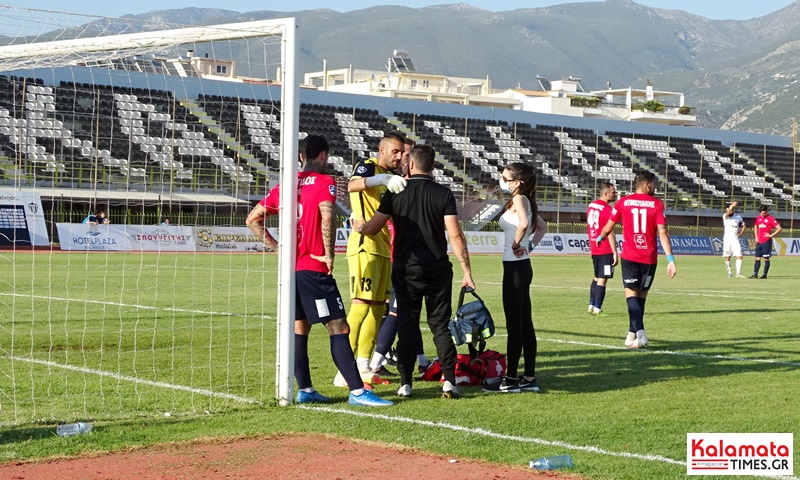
154 39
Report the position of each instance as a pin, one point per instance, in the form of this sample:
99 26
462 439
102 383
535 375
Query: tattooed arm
328 234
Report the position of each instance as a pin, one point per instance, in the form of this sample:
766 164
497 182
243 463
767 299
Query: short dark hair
644 176
409 141
312 146
424 158
397 136
764 208
604 187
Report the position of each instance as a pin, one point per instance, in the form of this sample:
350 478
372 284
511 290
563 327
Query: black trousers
434 285
517 277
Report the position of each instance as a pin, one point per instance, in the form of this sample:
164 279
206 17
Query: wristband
671 258
599 240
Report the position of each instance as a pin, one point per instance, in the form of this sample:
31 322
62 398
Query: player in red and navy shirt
763 230
317 296
643 222
603 257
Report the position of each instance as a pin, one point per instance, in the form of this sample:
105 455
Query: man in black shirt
421 215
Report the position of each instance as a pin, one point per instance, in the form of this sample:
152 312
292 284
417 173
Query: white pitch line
131 305
501 436
673 352
686 293
116 376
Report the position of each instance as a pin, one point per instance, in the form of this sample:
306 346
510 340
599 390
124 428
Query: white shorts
731 248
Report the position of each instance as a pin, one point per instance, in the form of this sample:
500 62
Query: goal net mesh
172 132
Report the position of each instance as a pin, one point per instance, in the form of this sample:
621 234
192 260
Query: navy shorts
603 267
317 297
764 249
638 276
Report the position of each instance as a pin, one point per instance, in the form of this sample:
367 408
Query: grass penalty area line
515 438
116 376
672 352
133 305
499 436
683 293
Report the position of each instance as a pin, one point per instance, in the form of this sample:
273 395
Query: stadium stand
87 135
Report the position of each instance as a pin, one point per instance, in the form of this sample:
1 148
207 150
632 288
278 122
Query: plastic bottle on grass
73 429
552 463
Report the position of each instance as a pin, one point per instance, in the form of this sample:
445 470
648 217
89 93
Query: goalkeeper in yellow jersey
369 258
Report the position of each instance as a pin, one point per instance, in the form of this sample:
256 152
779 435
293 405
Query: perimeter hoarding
125 238
80 236
22 219
229 239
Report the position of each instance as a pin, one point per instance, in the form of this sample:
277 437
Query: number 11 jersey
640 215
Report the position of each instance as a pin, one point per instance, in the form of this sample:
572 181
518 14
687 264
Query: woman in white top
517 223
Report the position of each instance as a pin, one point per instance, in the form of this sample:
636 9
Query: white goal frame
59 51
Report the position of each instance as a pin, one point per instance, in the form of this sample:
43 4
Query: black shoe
391 358
754 276
493 387
509 385
528 385
763 277
385 372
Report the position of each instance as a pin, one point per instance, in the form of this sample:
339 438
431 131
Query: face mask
504 186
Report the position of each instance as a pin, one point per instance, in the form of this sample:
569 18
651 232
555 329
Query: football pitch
170 347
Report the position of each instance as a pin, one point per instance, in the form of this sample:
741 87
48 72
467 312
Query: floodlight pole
290 125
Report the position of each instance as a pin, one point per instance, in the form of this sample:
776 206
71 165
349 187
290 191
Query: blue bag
473 323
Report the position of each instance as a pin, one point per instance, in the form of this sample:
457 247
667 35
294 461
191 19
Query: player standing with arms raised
643 222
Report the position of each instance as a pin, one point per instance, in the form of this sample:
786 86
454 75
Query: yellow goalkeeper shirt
364 204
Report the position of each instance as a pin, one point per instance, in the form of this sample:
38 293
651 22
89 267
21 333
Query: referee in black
421 215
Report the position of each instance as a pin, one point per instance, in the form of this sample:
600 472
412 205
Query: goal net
131 152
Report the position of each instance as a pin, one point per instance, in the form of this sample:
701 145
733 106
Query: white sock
728 266
357 392
363 363
738 266
377 361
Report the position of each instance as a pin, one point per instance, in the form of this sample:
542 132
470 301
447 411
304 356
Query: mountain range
740 75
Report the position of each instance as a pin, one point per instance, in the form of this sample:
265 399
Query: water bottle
552 463
73 429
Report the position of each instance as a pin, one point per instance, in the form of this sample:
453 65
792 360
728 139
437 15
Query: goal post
288 217
147 120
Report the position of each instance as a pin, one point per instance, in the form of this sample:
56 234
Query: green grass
194 336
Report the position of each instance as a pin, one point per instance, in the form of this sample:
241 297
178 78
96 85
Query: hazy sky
715 9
